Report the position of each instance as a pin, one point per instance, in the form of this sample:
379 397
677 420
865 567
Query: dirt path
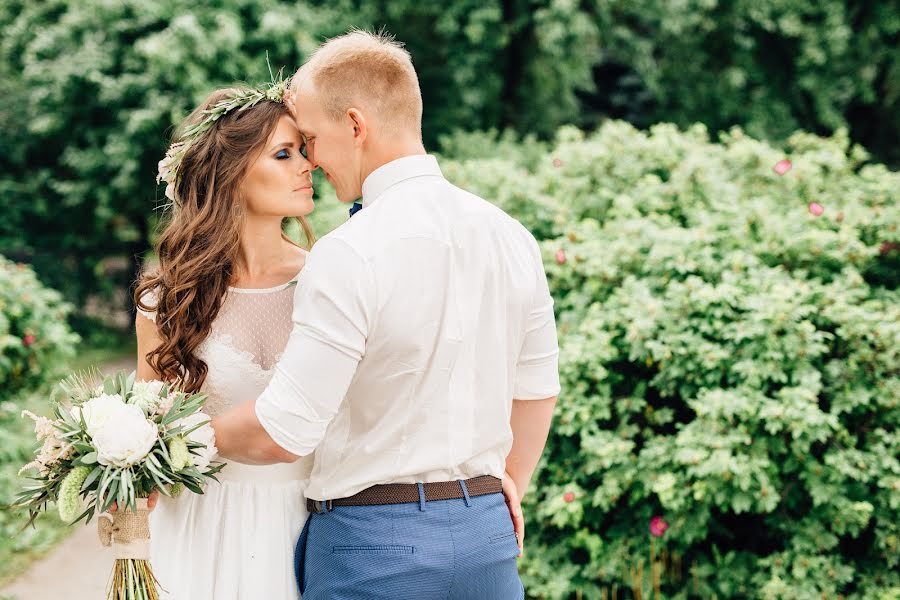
77 569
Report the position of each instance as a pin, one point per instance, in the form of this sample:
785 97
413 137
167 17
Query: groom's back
416 324
459 322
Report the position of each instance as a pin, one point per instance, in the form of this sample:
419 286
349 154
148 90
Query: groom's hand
515 510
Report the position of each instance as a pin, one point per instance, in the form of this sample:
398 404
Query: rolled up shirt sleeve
332 312
537 367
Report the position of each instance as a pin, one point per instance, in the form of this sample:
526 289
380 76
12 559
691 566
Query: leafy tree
772 67
95 86
92 87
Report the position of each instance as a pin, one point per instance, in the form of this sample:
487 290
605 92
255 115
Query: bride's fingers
151 502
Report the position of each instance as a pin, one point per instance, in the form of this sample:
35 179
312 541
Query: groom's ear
360 129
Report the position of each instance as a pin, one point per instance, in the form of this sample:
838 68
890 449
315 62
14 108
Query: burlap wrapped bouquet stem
128 532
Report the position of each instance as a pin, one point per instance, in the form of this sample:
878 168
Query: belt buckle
323 507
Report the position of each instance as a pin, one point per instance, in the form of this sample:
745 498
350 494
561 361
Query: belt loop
421 496
465 491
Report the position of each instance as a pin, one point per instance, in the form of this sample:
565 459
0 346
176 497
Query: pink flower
560 257
816 209
782 166
569 497
28 340
658 526
888 246
557 163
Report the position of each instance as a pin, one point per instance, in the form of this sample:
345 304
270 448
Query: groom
422 367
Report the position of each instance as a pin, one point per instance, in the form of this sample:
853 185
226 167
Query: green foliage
94 88
730 362
91 89
768 65
34 336
20 545
482 64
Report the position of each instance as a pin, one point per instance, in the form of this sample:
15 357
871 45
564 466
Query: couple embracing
382 397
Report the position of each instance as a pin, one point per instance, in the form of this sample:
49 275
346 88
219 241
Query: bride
215 317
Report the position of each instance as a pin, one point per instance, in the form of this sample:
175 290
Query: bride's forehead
286 128
287 123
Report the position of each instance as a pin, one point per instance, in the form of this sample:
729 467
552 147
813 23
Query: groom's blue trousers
449 549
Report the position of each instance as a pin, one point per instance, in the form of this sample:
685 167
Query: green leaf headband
168 167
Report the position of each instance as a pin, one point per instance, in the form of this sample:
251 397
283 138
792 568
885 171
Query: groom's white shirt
416 323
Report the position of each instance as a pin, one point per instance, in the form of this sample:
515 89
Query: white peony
145 394
125 438
202 435
98 411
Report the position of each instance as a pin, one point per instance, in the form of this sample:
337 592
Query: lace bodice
247 339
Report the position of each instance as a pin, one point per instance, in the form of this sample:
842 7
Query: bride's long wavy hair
199 247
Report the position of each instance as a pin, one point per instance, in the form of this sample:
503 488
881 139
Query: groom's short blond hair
367 70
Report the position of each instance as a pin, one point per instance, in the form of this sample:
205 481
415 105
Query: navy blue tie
355 208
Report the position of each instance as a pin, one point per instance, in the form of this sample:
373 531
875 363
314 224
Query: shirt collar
389 175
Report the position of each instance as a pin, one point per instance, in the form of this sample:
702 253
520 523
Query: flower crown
168 167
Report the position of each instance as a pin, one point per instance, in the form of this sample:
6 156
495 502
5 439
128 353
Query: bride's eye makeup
282 154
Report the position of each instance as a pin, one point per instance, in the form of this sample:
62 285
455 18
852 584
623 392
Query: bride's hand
514 504
151 502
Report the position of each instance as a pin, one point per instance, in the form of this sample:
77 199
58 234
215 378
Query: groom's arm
536 383
240 437
530 422
332 309
535 393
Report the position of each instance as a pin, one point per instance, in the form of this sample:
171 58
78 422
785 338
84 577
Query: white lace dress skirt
236 541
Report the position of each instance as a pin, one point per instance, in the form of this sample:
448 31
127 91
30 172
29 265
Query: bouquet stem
129 533
133 580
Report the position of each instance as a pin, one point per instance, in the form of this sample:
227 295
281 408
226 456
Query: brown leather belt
403 493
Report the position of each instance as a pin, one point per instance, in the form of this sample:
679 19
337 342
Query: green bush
34 335
95 88
730 363
36 346
769 66
92 87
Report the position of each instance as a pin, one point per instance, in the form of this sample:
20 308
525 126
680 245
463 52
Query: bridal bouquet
116 443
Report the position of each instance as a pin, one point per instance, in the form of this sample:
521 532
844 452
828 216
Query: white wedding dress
236 541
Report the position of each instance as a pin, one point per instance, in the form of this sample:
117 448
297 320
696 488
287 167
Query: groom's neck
387 153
